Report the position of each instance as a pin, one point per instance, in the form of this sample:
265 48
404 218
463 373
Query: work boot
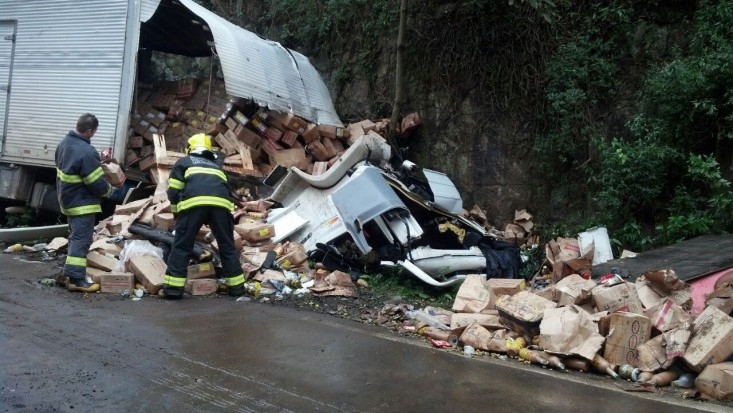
81 285
237 290
172 293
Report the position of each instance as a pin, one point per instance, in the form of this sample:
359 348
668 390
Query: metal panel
267 72
148 9
7 36
63 69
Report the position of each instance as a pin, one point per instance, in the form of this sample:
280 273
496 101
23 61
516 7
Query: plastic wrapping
137 248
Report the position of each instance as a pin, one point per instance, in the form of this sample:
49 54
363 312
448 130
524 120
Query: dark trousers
81 229
188 224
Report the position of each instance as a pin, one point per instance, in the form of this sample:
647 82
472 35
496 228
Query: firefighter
81 185
200 194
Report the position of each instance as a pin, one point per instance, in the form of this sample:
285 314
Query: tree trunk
399 95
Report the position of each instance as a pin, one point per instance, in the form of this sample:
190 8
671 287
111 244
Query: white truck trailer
62 58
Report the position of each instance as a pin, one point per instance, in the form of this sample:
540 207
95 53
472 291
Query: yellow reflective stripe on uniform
200 170
81 210
176 184
80 262
236 280
174 281
174 208
68 178
93 176
205 201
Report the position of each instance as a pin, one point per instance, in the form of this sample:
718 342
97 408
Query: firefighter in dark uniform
200 194
81 185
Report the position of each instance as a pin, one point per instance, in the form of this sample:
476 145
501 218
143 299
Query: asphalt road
70 352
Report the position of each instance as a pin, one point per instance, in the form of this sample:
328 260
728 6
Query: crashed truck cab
361 214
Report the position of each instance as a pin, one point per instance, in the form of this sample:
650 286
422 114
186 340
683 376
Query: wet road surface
71 352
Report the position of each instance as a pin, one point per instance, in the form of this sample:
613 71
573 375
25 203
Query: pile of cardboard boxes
253 139
642 331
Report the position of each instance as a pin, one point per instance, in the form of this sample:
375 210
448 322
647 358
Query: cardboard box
712 339
668 315
506 286
716 381
523 311
332 132
626 333
95 274
289 137
291 259
460 321
291 157
135 141
259 124
149 270
116 282
311 133
103 262
319 168
254 232
164 220
201 286
318 151
201 270
619 297
114 173
661 351
573 289
247 136
570 330
474 295
273 133
187 87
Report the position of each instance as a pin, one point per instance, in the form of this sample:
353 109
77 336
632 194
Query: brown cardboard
666 283
95 274
332 132
253 232
523 311
291 259
291 157
712 339
103 262
116 282
573 289
114 173
627 331
716 381
201 286
619 297
648 297
474 295
661 351
477 337
164 220
459 321
569 330
506 286
319 168
202 270
668 315
149 270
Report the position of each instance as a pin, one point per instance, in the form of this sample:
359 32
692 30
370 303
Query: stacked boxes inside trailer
252 138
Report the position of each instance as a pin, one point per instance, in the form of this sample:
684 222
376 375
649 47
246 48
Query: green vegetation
629 103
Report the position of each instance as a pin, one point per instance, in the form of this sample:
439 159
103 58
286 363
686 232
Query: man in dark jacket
81 185
200 194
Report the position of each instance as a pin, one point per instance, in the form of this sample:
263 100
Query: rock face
479 95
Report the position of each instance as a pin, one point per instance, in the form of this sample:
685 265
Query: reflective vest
195 181
80 181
